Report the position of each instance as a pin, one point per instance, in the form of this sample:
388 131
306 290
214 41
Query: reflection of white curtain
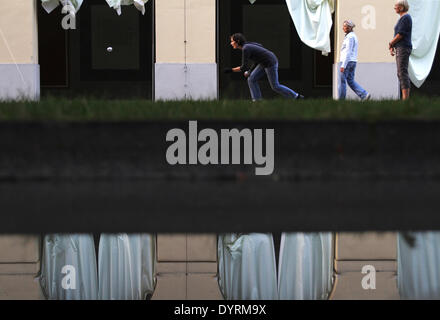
126 266
77 252
50 5
247 267
305 269
425 33
116 4
418 271
313 22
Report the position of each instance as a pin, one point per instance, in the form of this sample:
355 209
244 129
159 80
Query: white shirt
349 50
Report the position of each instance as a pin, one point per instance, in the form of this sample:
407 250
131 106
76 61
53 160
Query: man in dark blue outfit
266 63
401 45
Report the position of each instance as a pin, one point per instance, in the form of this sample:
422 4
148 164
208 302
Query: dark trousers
402 61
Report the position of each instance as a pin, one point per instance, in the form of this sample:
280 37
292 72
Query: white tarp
313 22
247 267
116 4
418 270
425 34
305 268
50 5
126 266
68 270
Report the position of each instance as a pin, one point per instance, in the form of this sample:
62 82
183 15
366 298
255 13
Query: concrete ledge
19 82
19 249
20 287
348 286
356 266
379 79
19 268
193 81
366 246
183 267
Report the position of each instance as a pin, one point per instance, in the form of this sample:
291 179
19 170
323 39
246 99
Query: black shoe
299 96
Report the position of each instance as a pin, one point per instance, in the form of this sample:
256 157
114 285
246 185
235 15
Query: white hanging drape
126 266
305 268
116 4
50 5
425 34
313 22
72 258
247 267
418 271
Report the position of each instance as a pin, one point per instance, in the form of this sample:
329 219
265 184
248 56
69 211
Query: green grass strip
86 109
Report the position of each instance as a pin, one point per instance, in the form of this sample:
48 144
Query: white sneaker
367 97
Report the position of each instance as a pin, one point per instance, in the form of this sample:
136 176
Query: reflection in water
418 274
247 268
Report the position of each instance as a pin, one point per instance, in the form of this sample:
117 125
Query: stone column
376 69
19 266
186 267
185 66
19 68
359 259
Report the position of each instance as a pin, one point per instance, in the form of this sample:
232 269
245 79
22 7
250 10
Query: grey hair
404 4
350 23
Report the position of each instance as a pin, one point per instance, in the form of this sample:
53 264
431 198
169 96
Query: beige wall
373 37
18 28
200 31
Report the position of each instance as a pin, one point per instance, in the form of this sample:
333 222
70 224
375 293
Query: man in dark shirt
266 63
401 45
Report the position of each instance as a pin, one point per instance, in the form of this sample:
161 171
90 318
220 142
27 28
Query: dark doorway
268 22
431 86
77 62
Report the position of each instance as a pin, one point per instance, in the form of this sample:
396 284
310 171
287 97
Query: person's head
348 26
401 6
237 40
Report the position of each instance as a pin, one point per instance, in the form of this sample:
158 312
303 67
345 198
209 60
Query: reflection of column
19 266
355 251
185 50
376 69
19 69
186 267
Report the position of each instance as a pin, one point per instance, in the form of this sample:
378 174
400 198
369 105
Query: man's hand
227 70
342 70
246 74
392 52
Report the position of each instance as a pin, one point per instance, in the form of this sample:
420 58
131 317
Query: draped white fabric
126 266
77 252
116 4
247 267
50 5
313 22
418 271
305 268
425 34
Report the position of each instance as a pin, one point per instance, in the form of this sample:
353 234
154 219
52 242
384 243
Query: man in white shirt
348 63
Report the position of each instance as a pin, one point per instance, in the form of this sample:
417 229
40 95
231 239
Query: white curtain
247 267
126 266
425 34
305 268
313 22
116 4
50 5
68 270
418 271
